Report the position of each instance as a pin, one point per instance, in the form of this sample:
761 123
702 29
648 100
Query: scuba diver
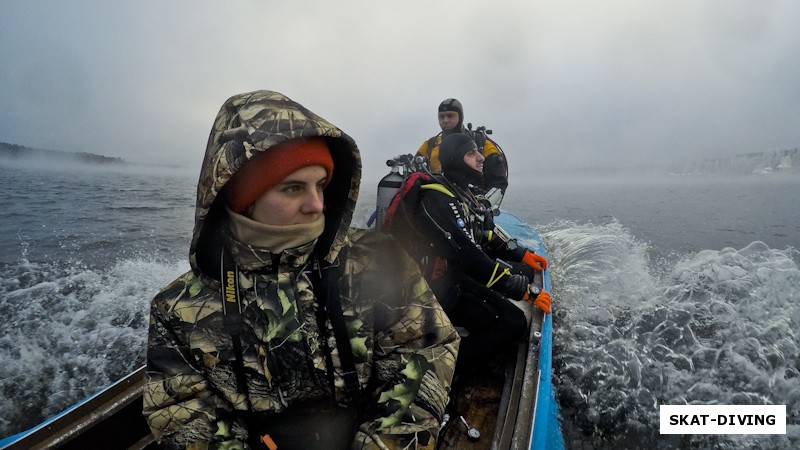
292 329
473 267
495 170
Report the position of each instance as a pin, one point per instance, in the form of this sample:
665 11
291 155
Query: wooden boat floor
478 399
498 402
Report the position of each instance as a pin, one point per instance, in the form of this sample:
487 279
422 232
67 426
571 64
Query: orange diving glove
267 440
534 260
542 301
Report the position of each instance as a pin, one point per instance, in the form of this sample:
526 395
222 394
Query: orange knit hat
269 167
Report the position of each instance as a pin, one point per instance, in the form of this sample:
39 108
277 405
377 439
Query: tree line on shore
14 151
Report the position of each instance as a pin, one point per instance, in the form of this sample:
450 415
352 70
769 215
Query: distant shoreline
14 151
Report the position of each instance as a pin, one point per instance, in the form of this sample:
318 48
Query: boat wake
631 333
70 330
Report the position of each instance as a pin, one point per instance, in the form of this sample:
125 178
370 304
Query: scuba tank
387 188
390 185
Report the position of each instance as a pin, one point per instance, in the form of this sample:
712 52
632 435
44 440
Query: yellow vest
489 148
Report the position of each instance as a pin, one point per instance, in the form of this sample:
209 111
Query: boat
111 419
513 408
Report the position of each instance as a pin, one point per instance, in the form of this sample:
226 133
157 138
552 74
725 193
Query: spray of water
70 331
716 327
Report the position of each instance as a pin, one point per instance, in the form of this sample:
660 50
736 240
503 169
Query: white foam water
643 315
69 331
715 327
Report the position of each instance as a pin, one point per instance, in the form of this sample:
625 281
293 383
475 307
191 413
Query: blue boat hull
546 432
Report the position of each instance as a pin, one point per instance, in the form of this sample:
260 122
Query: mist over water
665 292
673 215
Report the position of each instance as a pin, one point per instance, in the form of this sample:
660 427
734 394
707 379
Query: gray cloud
561 84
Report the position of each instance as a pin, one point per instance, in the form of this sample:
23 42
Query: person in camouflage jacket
217 383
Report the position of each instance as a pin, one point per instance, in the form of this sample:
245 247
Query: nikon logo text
230 287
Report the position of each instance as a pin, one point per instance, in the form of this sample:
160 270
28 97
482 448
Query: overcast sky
561 83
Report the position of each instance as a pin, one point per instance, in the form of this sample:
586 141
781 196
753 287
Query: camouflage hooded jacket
402 342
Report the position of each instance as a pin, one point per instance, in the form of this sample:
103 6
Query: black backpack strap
326 289
431 144
233 320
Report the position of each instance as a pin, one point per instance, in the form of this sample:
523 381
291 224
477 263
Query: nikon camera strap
330 307
233 319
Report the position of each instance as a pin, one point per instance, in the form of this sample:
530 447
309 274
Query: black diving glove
520 268
513 286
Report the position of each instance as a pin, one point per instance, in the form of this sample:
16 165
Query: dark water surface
667 291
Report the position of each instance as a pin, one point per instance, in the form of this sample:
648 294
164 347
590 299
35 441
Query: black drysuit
450 236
